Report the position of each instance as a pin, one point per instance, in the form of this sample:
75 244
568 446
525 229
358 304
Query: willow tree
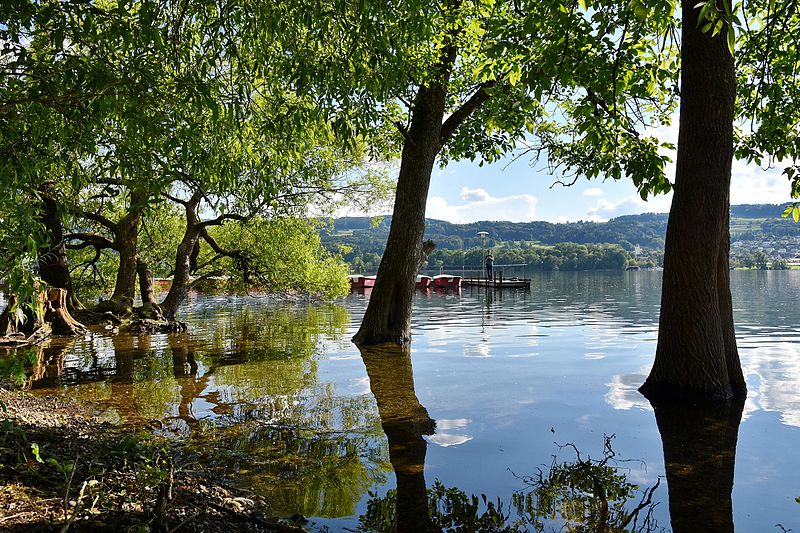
118 108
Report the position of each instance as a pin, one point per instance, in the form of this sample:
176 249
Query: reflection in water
405 421
244 383
284 394
593 494
41 364
699 455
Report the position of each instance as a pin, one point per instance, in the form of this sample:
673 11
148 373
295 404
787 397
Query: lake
525 396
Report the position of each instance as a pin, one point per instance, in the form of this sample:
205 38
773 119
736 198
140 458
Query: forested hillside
361 239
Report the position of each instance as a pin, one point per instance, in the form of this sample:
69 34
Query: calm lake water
496 385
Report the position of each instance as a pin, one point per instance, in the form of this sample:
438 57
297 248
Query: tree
117 109
493 71
696 355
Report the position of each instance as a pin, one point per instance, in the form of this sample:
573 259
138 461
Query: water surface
496 384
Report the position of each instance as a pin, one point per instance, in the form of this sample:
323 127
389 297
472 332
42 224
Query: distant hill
364 235
757 210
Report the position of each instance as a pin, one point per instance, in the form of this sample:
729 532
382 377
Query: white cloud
480 205
475 195
593 191
604 209
750 184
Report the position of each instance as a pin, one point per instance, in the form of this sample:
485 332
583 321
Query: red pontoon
359 281
445 281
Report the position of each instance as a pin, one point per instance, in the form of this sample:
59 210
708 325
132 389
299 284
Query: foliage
285 254
14 364
124 105
578 495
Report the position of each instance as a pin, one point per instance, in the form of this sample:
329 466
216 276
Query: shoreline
62 468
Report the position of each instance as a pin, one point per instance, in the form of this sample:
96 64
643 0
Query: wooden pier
499 282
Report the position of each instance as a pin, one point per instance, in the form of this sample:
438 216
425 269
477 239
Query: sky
516 191
522 191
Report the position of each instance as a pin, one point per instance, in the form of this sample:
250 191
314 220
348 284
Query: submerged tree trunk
388 315
126 242
181 278
696 357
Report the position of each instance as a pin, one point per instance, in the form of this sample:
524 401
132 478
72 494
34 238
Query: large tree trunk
57 314
404 421
53 263
181 279
145 283
699 456
696 357
388 315
126 244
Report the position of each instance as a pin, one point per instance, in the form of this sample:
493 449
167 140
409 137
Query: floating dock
497 283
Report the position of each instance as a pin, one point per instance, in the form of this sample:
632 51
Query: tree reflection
579 495
405 421
584 494
43 363
699 455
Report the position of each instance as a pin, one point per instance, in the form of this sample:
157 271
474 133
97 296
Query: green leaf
731 39
35 452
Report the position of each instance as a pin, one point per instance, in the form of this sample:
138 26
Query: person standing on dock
489 264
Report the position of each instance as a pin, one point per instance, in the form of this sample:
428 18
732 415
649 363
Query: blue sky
518 191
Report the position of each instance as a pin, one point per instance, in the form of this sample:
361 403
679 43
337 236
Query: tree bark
53 262
388 315
183 262
696 357
57 314
405 421
126 242
699 456
145 283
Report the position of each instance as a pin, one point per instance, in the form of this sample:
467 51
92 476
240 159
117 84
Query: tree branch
465 111
100 219
88 239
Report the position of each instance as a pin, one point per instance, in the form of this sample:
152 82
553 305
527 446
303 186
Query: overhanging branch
465 111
